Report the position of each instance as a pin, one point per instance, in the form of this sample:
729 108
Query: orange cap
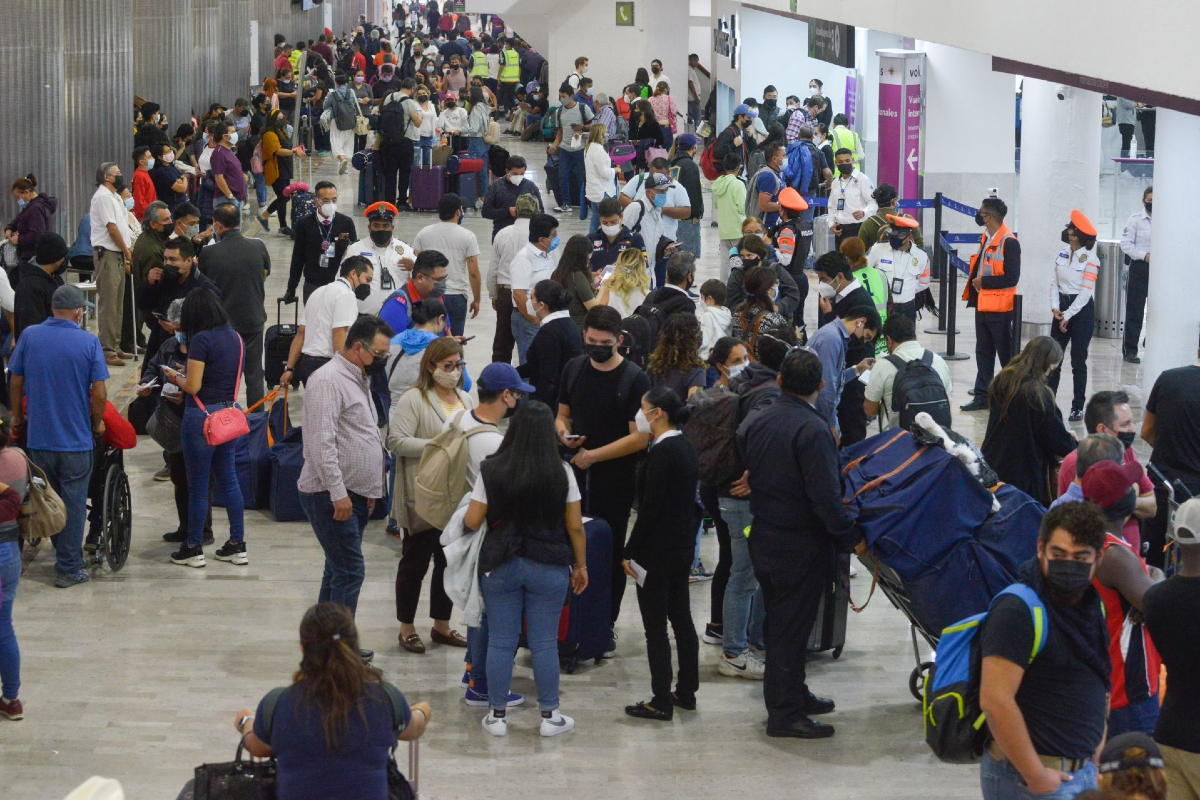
902 222
1082 223
790 199
381 210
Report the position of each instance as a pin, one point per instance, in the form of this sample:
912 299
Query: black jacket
500 196
35 288
238 266
687 173
158 297
789 292
724 145
672 301
306 250
556 343
1024 446
664 536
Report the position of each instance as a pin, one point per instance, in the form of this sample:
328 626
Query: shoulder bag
42 512
362 125
226 424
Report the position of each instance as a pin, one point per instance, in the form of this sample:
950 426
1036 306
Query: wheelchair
110 511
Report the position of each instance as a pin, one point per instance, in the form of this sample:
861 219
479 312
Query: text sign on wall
851 99
727 39
831 41
900 123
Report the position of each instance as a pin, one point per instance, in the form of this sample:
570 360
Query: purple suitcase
428 186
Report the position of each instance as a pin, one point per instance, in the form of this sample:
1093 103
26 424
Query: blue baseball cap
685 142
742 110
498 376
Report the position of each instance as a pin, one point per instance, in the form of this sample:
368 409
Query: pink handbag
228 423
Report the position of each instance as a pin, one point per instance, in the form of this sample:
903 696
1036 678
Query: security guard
510 74
391 259
1075 271
876 284
793 239
991 286
479 62
905 265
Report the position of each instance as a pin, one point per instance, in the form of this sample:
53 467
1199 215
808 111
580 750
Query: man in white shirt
1135 244
581 67
110 246
905 266
900 333
532 264
645 216
696 89
677 207
508 242
657 75
850 200
461 248
325 319
391 259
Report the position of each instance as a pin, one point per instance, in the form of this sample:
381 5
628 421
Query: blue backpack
953 720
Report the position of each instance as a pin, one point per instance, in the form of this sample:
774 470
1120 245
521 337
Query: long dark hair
332 672
641 77
527 464
201 311
678 347
757 284
1026 373
575 258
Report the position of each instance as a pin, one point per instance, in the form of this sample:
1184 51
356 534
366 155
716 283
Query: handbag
440 155
493 133
236 780
165 429
228 423
42 511
655 152
362 125
327 118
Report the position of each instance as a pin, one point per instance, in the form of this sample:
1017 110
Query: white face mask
233 139
168 158
150 164
643 424
736 369
826 290
328 210
515 180
610 230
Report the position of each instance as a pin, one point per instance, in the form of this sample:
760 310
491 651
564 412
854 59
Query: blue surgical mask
181 337
589 91
660 200
22 203
553 243
150 164
129 204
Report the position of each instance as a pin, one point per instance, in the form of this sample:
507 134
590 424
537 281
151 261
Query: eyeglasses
377 353
452 367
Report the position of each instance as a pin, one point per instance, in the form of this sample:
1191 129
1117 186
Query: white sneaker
853 571
497 726
747 666
555 724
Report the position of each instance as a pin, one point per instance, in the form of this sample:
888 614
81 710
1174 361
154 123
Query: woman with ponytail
333 729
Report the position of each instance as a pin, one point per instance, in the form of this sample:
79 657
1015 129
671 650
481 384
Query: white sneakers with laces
747 665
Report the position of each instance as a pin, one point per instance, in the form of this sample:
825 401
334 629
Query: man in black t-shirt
600 396
1171 426
1046 712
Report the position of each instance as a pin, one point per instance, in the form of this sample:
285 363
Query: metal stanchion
951 308
1017 314
939 265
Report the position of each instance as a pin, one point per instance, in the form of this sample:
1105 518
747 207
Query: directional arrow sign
912 157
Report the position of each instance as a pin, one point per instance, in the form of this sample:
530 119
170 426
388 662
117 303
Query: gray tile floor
137 675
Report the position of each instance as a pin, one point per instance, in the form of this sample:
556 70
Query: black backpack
393 121
918 388
641 333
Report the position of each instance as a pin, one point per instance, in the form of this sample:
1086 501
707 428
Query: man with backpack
911 379
1044 666
645 216
762 201
570 137
399 124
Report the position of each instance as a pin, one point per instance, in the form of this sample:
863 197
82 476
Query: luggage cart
893 587
1175 490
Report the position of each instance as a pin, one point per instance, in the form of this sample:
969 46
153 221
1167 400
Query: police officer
793 239
905 266
391 259
1075 271
991 286
1135 244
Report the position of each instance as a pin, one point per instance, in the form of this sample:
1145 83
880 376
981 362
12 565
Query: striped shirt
342 449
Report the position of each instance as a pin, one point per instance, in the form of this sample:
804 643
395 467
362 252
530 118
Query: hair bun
30 177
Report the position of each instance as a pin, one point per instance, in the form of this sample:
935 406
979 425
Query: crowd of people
618 348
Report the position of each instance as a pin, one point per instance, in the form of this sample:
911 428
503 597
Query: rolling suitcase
428 186
466 187
829 631
584 627
823 239
370 185
277 343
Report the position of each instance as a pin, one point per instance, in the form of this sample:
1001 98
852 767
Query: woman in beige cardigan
417 416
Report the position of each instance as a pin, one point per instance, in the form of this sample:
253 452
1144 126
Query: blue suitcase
428 186
252 457
287 459
584 629
466 187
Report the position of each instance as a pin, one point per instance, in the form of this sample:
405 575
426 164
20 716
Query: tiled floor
137 675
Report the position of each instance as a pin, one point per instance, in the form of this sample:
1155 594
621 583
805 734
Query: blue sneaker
466 681
69 579
479 699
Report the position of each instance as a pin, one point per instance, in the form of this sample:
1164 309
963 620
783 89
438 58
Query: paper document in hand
639 572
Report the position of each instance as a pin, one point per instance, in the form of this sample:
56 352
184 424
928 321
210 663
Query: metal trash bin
1111 287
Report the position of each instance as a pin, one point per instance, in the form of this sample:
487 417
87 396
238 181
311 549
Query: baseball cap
685 142
498 376
1112 757
1082 223
67 298
527 205
790 199
1187 522
742 110
658 181
1108 483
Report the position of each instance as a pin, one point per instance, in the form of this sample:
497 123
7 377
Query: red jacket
143 192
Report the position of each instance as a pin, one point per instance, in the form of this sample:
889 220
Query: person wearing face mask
900 336
770 110
150 133
157 228
673 296
751 252
321 242
816 92
757 309
224 168
736 138
391 259
35 218
1072 285
428 281
831 343
407 347
1046 714
851 197
656 71
169 184
500 199
569 140
325 319
462 290
904 266
991 286
37 282
1025 432
532 264
793 239
187 225
143 186
558 340
1135 244
428 128
510 73
611 238
111 248
645 216
172 278
601 175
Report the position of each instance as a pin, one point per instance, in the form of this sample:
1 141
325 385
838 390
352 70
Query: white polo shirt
387 274
531 265
108 207
331 306
677 197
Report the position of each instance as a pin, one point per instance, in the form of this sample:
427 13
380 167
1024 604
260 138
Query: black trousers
1135 305
852 417
796 270
665 597
410 573
306 366
279 204
396 160
503 342
908 309
993 337
792 589
254 365
711 500
608 495
1126 129
1078 336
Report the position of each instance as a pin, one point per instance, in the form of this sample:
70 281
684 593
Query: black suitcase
829 631
370 183
277 343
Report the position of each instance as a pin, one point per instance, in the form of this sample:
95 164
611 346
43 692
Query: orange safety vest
992 265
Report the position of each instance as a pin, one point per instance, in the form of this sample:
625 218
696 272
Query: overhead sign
831 41
727 39
900 85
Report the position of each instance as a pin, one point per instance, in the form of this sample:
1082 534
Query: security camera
1060 91
993 192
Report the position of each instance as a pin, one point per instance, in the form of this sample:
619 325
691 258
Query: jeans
688 235
425 144
179 480
570 173
523 589
477 645
1000 780
1141 716
663 598
523 332
260 191
204 462
456 310
478 148
742 611
10 653
594 219
342 543
693 112
69 474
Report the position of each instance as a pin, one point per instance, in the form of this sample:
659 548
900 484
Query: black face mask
1066 236
377 366
381 238
896 242
979 219
1127 439
1148 206
1068 579
171 272
845 169
747 123
362 291
599 353
769 103
508 412
749 263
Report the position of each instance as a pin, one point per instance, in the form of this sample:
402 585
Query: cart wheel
916 681
837 651
118 517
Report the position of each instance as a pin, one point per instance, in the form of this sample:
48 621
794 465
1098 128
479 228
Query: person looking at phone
173 280
612 238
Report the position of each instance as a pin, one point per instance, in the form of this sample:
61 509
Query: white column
1171 311
1060 157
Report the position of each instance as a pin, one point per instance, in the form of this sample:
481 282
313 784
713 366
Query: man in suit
239 267
320 244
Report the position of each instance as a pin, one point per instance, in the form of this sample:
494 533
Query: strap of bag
237 384
268 710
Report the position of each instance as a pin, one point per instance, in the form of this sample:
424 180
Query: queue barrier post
939 266
951 303
1017 315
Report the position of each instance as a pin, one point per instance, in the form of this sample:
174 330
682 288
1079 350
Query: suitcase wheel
837 651
916 681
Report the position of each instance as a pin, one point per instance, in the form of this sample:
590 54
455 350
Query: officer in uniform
793 240
510 74
391 259
479 62
991 286
905 266
1075 271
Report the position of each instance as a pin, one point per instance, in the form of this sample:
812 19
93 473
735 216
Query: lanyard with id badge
326 244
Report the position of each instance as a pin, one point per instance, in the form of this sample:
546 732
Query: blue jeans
204 461
523 589
668 137
743 609
570 170
342 543
69 473
478 148
425 156
456 310
1000 780
688 236
477 653
523 332
10 653
260 191
594 220
1141 716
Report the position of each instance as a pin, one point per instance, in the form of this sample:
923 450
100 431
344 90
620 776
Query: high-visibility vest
844 137
479 65
876 285
510 66
989 262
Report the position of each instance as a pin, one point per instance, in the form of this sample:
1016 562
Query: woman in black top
534 548
169 184
1025 433
675 362
644 130
663 544
575 276
557 341
214 372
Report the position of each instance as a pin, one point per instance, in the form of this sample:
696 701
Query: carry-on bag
287 459
428 186
277 343
829 631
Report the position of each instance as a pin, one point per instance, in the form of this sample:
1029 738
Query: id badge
897 285
841 204
324 246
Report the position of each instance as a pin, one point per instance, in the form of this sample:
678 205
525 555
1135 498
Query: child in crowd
715 320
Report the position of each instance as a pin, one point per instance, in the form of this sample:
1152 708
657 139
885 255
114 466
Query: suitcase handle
279 312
